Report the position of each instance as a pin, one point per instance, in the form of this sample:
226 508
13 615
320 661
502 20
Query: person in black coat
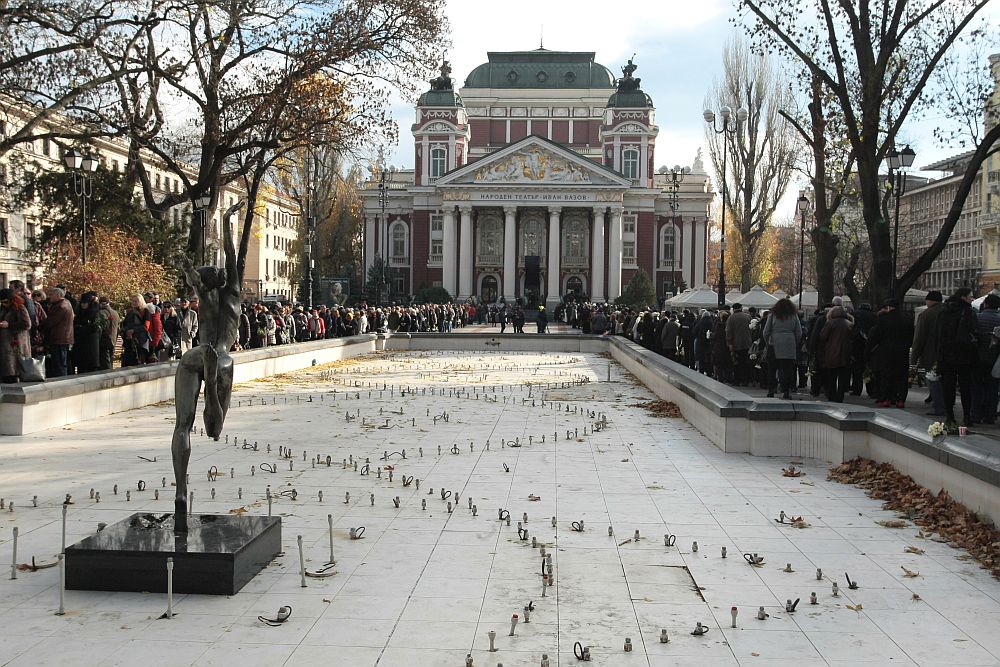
87 335
889 349
541 320
864 320
957 352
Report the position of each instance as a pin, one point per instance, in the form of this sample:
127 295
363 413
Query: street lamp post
384 178
202 203
310 237
83 186
674 178
898 163
728 129
260 289
803 206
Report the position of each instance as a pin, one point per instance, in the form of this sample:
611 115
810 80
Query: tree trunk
825 245
879 230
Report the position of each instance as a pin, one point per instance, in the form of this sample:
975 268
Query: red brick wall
594 132
480 128
560 131
420 240
518 130
645 244
498 132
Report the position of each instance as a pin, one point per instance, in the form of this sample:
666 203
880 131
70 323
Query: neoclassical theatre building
534 180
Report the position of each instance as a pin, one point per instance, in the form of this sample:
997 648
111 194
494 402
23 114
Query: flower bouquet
936 430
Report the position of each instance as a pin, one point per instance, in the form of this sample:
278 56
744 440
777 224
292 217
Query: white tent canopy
701 297
756 297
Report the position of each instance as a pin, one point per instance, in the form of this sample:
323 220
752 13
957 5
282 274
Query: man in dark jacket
957 352
925 347
738 339
58 331
864 320
669 335
984 385
888 348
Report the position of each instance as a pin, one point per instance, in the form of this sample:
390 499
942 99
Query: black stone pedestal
218 555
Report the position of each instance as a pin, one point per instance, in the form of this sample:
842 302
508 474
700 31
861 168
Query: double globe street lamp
81 166
730 126
674 177
802 205
202 203
897 163
385 175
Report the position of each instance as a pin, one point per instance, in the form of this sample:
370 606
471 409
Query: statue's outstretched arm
230 249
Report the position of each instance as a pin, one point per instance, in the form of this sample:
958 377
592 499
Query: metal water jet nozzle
734 611
493 636
694 547
836 590
812 599
576 525
611 531
699 629
664 638
851 585
788 568
790 606
513 624
761 614
819 574
723 552
636 538
628 644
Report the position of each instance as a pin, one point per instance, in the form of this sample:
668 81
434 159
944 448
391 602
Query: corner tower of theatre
533 181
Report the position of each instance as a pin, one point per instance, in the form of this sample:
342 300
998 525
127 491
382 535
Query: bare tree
52 77
761 152
876 57
230 87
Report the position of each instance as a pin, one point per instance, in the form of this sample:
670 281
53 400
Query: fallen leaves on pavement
660 409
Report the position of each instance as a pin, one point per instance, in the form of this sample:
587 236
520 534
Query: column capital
510 210
600 209
617 210
555 209
465 209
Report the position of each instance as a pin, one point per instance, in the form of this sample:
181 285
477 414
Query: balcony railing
575 262
399 261
489 260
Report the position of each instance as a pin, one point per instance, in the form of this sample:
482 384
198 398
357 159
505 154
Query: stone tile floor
425 586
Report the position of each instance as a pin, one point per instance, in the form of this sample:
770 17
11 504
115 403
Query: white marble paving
424 587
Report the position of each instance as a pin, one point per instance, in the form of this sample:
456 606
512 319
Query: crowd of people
80 335
835 351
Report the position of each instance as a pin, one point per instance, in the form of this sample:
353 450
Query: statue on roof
443 82
628 83
699 165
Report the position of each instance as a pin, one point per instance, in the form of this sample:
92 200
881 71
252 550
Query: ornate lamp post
310 237
384 175
803 206
202 203
898 164
674 178
260 289
730 126
83 186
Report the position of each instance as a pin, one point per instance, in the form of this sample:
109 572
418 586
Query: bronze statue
444 81
219 290
629 83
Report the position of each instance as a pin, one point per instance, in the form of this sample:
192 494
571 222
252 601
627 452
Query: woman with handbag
15 344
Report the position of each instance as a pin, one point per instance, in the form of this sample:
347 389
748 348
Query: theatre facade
534 180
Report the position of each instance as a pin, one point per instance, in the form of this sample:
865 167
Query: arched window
490 241
667 246
630 163
574 243
439 157
399 249
533 238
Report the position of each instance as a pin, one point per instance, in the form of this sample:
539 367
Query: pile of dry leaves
660 408
939 513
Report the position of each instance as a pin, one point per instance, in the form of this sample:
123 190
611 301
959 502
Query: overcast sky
678 46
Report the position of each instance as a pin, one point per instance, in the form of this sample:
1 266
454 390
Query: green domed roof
630 100
540 68
440 98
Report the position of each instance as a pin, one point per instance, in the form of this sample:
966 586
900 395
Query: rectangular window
628 239
156 180
114 165
438 161
630 163
31 232
46 147
437 237
4 233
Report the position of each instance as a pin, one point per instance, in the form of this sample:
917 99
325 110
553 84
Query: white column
553 293
615 255
465 255
449 250
509 253
369 244
698 232
597 256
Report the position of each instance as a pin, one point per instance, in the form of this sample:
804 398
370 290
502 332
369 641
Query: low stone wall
29 408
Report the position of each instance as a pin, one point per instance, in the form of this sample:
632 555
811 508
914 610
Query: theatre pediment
534 161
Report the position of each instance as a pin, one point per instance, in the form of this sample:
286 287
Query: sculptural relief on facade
532 165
